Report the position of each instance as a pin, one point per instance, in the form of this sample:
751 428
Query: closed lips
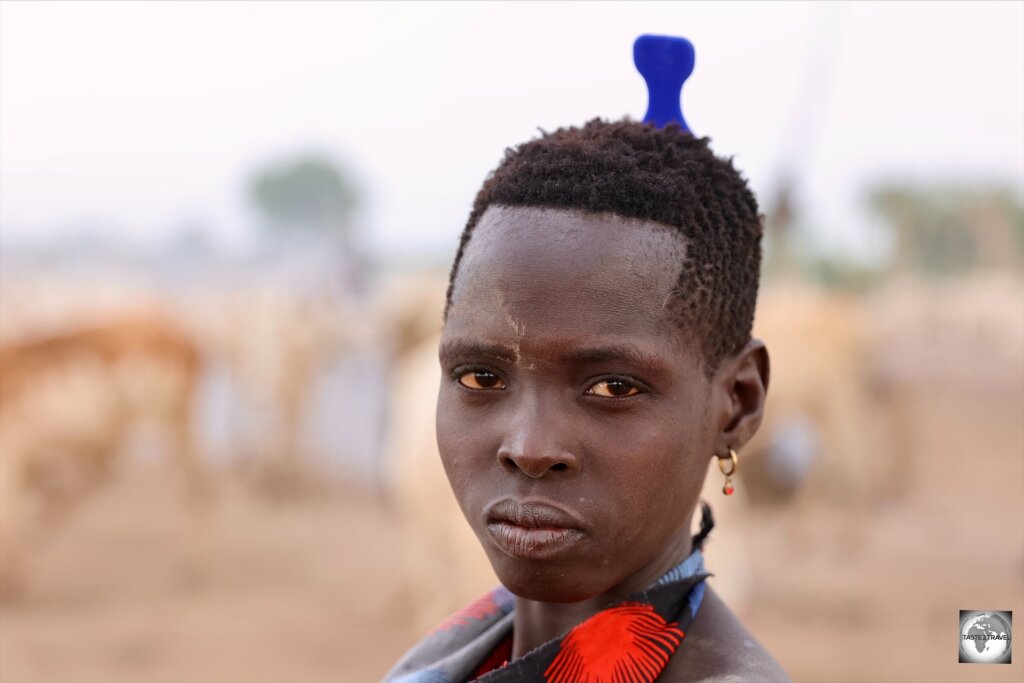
532 515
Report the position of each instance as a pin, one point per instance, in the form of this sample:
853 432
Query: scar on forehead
498 302
518 327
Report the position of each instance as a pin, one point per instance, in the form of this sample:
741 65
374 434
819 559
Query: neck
535 622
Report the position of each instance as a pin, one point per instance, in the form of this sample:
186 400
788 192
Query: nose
538 444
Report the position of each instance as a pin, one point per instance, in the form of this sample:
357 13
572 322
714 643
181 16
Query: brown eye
613 388
481 379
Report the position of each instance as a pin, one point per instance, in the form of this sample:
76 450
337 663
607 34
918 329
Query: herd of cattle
77 384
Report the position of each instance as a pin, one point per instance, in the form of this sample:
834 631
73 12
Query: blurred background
224 237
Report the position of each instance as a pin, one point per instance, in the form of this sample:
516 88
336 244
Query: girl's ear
739 388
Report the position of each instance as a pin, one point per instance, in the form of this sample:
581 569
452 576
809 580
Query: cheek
656 475
462 445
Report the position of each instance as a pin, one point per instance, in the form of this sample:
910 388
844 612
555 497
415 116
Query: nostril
532 466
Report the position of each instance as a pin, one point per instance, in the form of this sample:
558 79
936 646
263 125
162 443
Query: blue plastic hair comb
665 62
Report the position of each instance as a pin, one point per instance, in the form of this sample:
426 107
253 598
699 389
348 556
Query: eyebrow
588 355
615 352
459 347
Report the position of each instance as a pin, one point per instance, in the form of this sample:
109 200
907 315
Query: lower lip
533 544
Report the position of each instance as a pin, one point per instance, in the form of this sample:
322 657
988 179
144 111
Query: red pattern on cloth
630 643
478 610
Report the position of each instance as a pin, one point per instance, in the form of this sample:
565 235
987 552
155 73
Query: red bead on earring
729 463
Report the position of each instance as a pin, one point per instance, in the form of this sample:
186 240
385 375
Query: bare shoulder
719 649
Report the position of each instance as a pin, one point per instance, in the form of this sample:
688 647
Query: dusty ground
307 590
284 598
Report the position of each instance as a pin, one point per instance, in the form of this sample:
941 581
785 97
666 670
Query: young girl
596 355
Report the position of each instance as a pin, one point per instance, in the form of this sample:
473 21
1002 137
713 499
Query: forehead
588 274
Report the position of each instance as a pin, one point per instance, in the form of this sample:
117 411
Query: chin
544 581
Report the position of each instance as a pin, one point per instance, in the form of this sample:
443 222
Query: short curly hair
667 176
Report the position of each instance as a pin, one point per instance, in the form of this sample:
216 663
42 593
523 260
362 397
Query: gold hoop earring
731 463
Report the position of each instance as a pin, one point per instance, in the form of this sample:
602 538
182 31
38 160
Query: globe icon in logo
985 638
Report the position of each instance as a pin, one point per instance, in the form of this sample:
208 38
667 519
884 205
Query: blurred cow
274 347
69 401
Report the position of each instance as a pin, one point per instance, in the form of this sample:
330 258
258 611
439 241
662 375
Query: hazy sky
140 118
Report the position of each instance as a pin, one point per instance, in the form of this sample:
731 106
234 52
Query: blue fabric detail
693 564
424 676
696 597
504 599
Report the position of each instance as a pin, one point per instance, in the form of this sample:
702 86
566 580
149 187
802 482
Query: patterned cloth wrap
630 641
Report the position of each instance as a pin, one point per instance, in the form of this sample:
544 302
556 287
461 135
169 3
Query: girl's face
573 412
